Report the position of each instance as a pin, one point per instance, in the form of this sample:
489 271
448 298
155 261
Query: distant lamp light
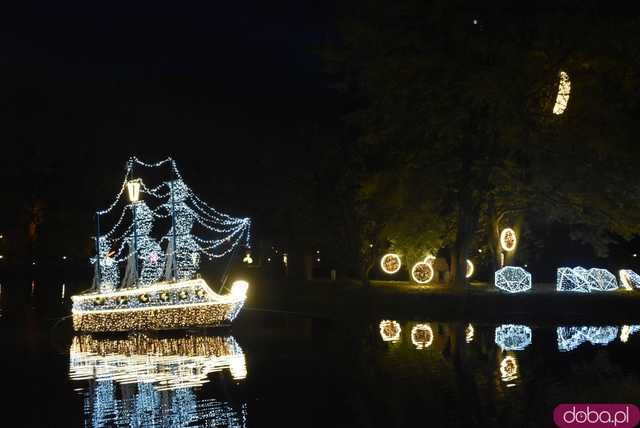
239 288
133 187
247 259
269 259
634 254
64 257
470 269
564 90
1 257
475 22
285 259
508 239
390 263
370 245
318 259
317 251
480 250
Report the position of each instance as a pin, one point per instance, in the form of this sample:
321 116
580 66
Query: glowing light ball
513 279
629 279
422 272
469 333
602 280
239 288
509 369
508 239
390 331
422 336
564 90
470 269
512 337
390 263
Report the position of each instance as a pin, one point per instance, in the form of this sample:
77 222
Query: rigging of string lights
190 211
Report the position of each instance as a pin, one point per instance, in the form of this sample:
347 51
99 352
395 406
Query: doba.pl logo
596 415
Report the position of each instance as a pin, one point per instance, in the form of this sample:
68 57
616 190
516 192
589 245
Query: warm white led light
422 336
508 239
239 288
133 187
564 90
390 331
422 272
469 333
390 263
470 269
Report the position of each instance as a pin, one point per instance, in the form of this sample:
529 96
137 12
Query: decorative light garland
628 330
513 279
510 337
390 263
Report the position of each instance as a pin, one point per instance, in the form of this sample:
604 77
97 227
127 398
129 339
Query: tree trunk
467 219
493 233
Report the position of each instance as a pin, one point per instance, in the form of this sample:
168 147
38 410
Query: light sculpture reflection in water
564 90
421 336
512 337
469 332
390 331
509 370
156 378
628 330
569 338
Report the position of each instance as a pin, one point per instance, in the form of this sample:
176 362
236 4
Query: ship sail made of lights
144 281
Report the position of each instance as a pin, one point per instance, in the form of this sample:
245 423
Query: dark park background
343 129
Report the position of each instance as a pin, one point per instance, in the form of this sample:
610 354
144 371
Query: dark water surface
275 369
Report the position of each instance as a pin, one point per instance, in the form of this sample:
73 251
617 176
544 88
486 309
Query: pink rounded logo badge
596 415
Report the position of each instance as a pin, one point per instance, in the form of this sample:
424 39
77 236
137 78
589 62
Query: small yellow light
247 259
508 239
390 263
239 288
133 187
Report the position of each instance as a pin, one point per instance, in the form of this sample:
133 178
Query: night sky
231 90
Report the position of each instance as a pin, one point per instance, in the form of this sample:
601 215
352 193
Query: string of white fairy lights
189 210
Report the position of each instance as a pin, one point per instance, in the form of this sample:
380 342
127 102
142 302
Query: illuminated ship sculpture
160 290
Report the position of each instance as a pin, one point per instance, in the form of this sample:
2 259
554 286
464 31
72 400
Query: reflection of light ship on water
158 290
146 381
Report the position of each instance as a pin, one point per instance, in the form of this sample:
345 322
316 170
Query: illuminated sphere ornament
422 272
513 279
470 269
629 279
508 239
390 263
390 331
512 337
564 90
422 336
